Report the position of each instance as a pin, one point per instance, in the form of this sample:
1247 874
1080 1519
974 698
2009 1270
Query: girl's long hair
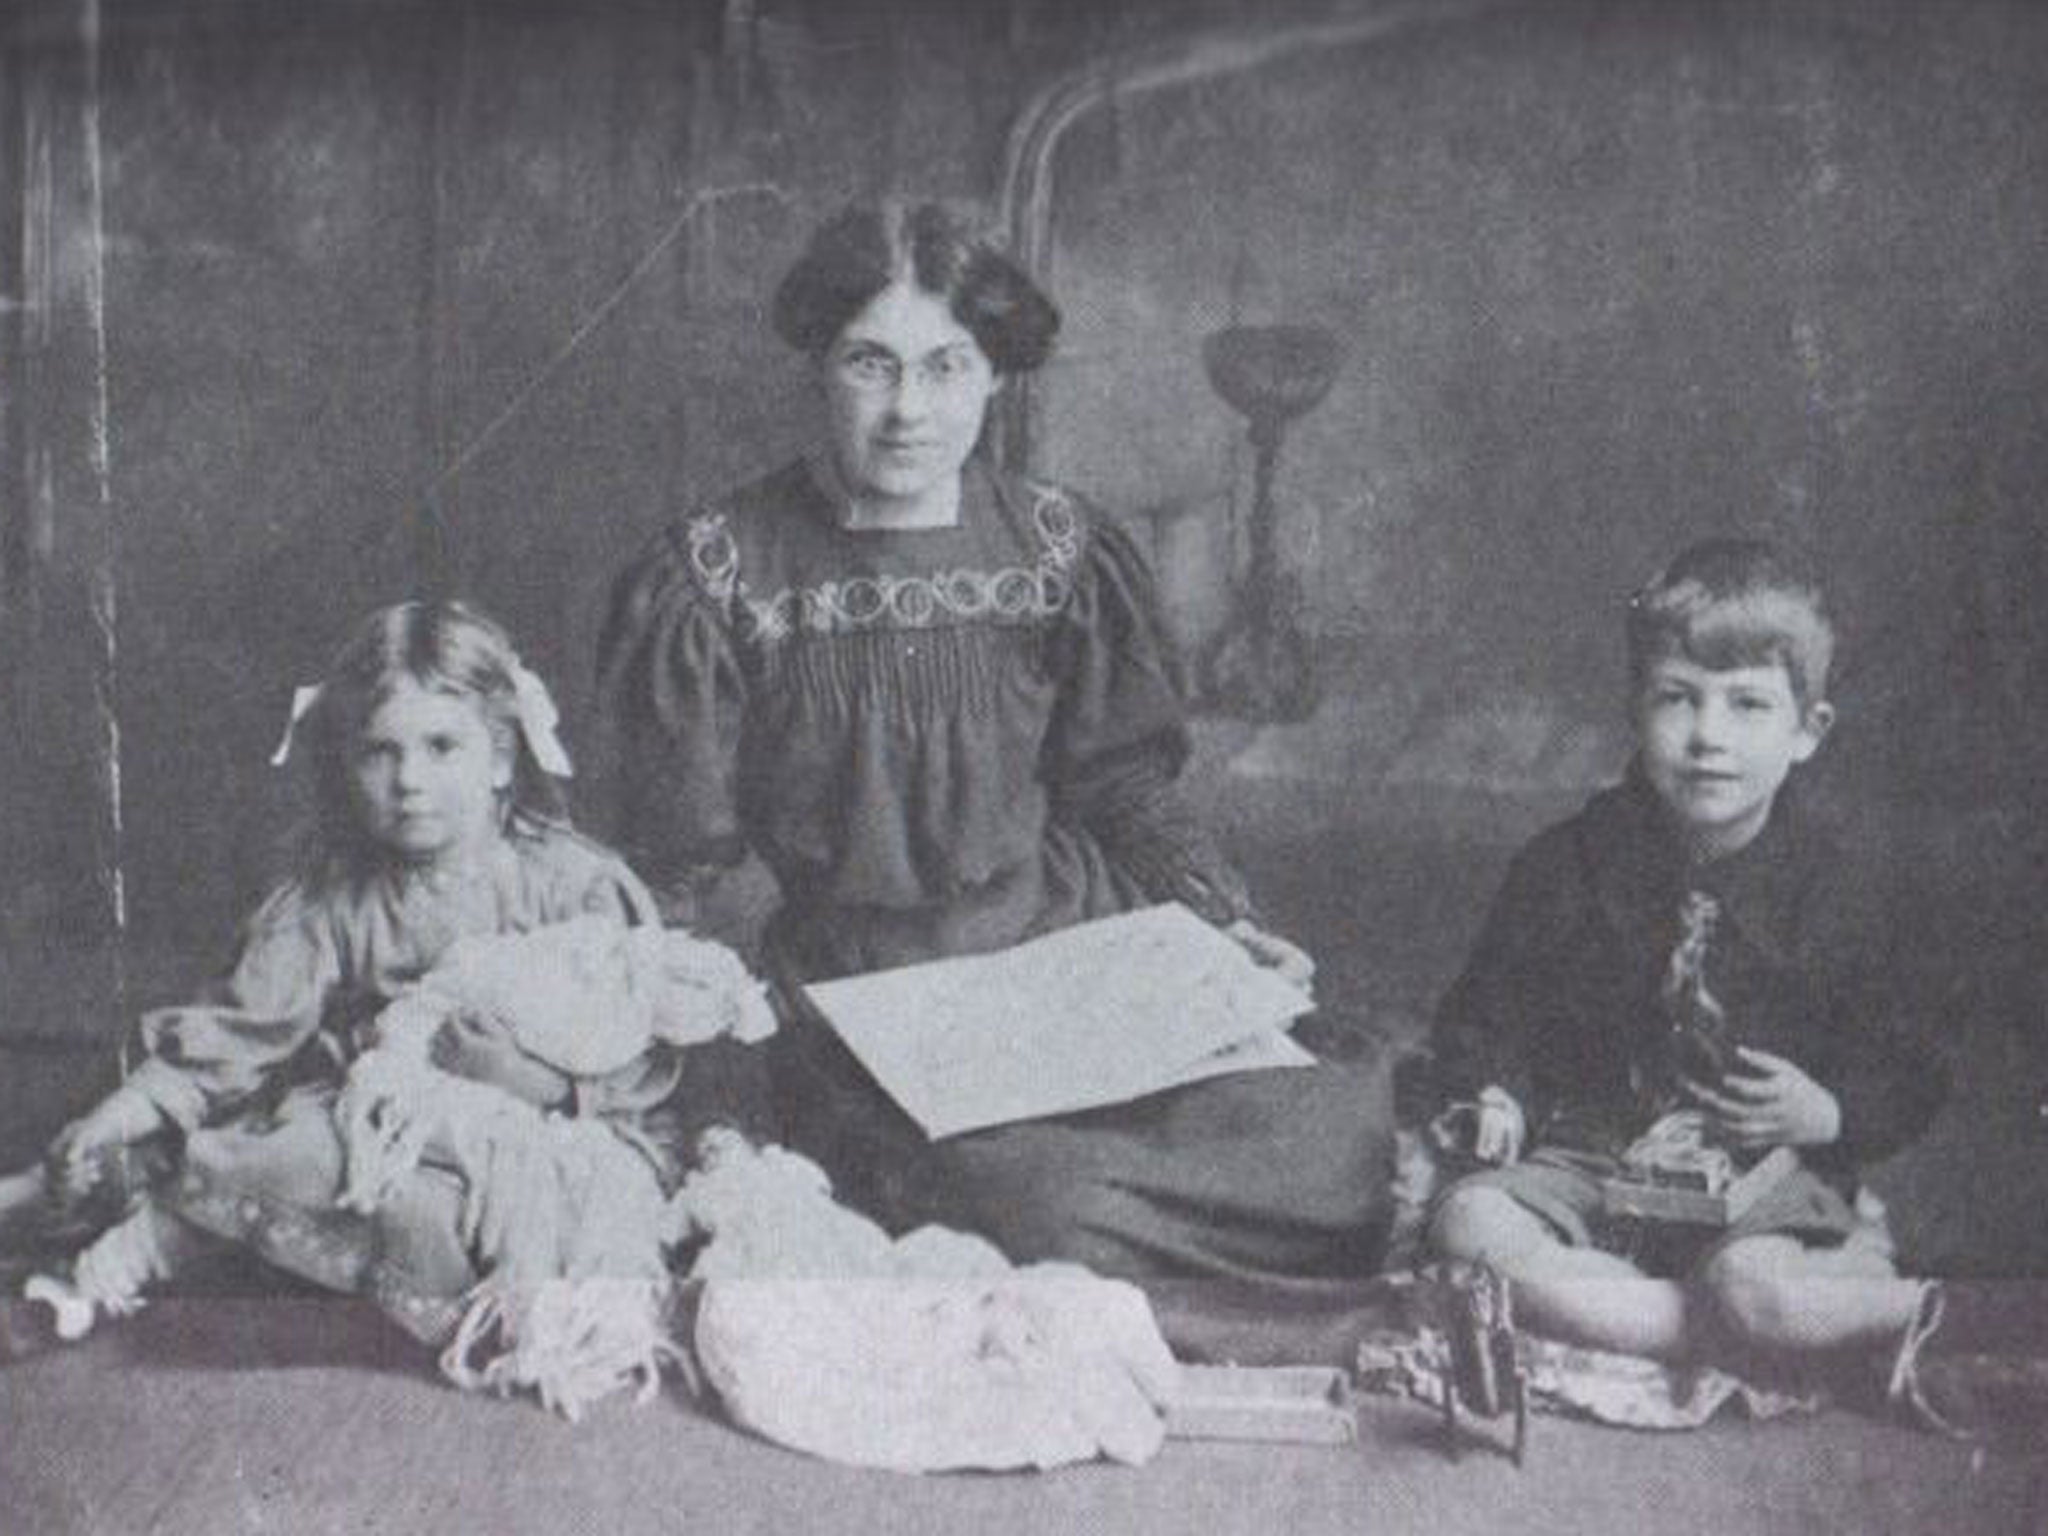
444 645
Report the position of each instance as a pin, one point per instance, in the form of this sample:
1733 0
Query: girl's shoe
27 1327
109 1277
71 1314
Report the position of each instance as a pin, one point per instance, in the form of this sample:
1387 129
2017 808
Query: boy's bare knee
1481 1223
1755 1285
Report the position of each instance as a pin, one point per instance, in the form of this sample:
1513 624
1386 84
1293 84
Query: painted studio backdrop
309 304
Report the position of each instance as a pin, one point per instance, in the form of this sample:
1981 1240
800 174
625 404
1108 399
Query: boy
1560 1029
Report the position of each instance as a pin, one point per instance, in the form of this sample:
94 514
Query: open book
1096 1014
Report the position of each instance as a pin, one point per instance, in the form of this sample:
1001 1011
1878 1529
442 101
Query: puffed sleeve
201 1058
673 683
566 874
612 890
1118 738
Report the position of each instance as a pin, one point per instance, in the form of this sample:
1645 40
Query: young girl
437 825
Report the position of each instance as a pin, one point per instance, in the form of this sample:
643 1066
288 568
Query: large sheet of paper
1099 1013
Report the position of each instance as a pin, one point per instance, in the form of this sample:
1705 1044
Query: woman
937 700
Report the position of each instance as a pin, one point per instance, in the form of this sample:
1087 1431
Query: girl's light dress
248 1076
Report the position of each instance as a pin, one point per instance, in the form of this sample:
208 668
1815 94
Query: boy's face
1716 745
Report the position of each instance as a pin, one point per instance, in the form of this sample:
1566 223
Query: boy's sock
1905 1390
1974 1363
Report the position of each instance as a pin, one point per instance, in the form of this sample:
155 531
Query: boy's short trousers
1563 1188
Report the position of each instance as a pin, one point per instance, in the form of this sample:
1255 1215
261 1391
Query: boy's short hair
1735 602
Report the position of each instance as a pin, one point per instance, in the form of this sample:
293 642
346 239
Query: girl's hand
121 1117
483 1050
1276 954
1770 1103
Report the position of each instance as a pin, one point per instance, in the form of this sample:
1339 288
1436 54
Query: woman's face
906 388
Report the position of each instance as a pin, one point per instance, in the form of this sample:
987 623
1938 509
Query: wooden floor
306 1416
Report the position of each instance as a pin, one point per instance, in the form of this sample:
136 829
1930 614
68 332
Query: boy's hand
1500 1130
1489 1129
1294 963
1771 1102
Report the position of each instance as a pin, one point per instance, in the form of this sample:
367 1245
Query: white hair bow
539 722
303 699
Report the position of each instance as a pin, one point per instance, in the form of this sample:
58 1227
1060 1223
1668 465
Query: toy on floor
1485 1366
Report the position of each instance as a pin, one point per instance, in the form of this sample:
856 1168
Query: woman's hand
121 1117
1294 963
1771 1102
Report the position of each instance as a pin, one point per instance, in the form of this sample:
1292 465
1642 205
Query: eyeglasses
876 370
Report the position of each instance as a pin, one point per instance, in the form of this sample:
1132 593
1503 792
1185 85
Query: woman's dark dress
943 742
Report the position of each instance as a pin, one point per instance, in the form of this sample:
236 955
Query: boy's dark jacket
1561 991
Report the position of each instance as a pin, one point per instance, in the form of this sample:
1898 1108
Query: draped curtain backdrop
306 305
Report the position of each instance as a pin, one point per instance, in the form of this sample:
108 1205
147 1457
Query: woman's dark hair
447 646
861 250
